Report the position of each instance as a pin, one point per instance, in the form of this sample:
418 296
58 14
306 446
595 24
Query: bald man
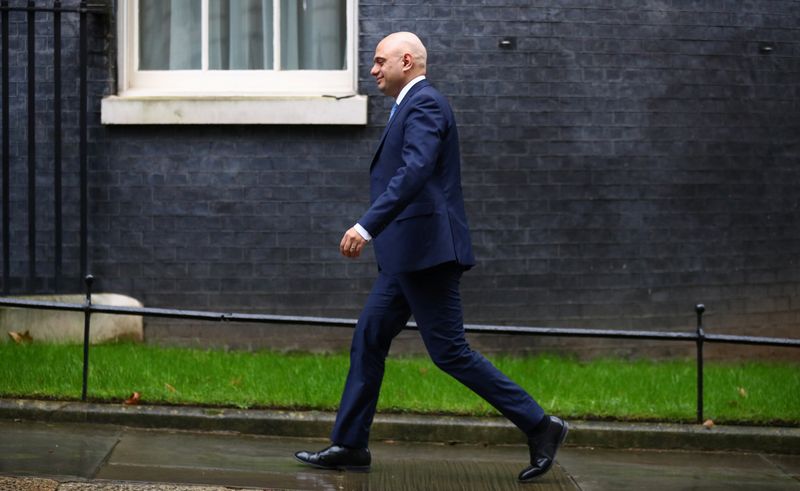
418 227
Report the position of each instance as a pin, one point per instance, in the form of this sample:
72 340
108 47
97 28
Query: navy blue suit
422 246
417 214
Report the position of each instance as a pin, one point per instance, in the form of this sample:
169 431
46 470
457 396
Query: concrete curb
448 429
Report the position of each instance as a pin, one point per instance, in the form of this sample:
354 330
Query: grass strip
641 390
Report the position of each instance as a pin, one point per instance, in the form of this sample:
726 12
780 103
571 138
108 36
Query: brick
623 159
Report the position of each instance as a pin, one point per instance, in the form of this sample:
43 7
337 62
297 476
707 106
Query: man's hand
352 243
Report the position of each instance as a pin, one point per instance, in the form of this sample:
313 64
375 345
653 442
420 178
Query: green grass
750 393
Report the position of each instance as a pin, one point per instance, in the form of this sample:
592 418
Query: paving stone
111 458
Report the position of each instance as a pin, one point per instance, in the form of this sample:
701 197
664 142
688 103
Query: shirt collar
407 88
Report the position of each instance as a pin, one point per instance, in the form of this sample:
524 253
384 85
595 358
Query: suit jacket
417 218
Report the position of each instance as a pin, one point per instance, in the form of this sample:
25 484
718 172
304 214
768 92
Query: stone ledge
129 110
67 327
408 427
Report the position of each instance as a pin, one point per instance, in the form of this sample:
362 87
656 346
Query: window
205 55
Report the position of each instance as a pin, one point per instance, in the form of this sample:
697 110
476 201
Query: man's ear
408 62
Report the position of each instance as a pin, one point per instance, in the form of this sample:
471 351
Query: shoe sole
352 468
561 439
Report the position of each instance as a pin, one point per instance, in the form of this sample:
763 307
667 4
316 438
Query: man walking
418 226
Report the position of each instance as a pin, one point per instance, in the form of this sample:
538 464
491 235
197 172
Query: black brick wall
626 160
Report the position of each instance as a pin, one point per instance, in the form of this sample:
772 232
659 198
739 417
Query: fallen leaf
423 371
133 399
742 392
708 424
170 388
21 338
236 382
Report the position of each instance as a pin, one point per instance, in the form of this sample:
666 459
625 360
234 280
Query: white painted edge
133 110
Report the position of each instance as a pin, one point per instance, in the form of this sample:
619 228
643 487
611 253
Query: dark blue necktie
394 108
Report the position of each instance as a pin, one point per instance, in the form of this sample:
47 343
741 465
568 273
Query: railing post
57 212
87 315
700 308
6 149
82 143
31 143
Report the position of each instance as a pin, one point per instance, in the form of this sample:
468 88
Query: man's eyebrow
380 58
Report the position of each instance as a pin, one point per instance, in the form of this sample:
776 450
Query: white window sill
148 109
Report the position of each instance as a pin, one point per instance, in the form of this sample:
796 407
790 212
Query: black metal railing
699 336
32 12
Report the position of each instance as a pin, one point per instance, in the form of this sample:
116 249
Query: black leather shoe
543 449
337 458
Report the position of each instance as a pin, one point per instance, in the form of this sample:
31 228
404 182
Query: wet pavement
75 456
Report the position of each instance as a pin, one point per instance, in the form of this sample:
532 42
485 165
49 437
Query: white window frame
232 96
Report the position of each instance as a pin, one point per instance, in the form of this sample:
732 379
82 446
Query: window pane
240 35
169 34
313 34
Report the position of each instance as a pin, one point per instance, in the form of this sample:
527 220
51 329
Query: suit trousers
433 297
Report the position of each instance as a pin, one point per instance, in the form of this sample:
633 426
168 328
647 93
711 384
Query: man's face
388 69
